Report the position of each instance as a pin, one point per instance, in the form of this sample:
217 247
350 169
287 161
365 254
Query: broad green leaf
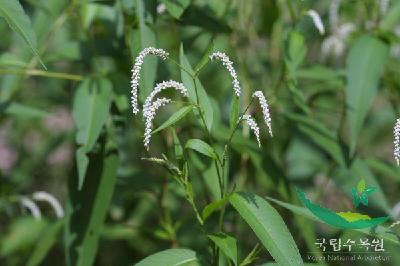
365 64
318 72
295 51
87 208
176 7
90 111
45 243
178 115
191 85
201 147
227 244
171 257
19 22
385 169
269 227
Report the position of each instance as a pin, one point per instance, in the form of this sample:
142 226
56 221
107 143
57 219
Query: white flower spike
317 21
149 115
396 141
253 126
160 87
334 14
226 62
31 206
265 109
136 72
47 197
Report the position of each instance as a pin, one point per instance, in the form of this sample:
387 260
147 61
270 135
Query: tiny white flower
161 8
317 21
265 109
31 206
160 87
253 126
47 197
336 43
396 141
226 62
149 115
136 72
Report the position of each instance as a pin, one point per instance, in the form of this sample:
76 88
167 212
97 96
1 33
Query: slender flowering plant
194 100
29 203
317 21
396 141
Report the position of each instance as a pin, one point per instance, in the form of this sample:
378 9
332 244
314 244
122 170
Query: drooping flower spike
317 21
31 206
136 72
253 126
149 116
396 141
47 197
265 109
226 62
160 87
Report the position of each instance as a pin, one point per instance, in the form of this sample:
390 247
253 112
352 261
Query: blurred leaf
201 96
234 116
269 227
46 242
205 58
19 22
87 208
171 257
90 111
318 72
176 7
203 18
227 245
17 109
365 65
385 169
22 234
361 186
177 146
176 117
295 51
7 59
201 147
391 19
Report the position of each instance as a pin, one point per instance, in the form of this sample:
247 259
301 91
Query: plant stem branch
41 73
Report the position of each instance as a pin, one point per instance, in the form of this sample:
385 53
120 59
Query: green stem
41 73
291 11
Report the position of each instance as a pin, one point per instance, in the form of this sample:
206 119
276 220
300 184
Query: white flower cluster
160 87
136 72
253 126
226 62
396 141
41 196
150 114
265 109
317 21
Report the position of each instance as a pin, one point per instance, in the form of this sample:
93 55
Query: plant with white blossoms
136 73
317 21
195 105
29 203
396 141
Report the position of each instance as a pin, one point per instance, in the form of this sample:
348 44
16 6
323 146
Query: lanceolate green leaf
90 111
269 227
202 147
87 208
178 115
201 95
227 244
45 243
365 65
16 18
171 257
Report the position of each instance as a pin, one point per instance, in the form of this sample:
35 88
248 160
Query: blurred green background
333 103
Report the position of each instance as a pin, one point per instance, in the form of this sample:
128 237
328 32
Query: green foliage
171 257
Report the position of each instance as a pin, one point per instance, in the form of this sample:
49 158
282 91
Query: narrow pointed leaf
227 244
171 257
176 117
201 147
